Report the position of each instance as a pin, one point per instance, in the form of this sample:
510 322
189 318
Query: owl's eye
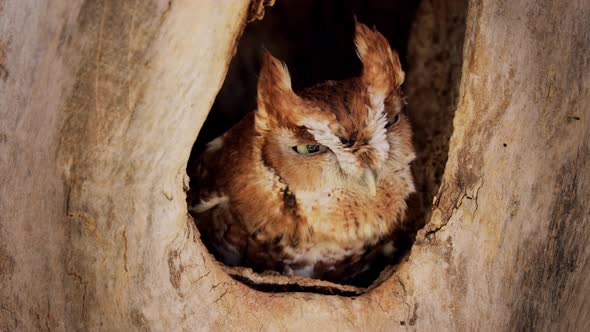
309 148
392 121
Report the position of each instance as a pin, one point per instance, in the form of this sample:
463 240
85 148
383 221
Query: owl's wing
204 195
217 168
207 202
207 190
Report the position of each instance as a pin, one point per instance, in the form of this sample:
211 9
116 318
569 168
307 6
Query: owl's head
346 134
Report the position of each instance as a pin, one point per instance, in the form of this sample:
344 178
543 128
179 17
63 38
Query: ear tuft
382 71
274 72
275 95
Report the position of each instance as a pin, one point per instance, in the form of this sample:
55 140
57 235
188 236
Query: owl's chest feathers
307 230
271 209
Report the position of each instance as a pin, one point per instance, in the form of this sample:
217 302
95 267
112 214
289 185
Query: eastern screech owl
312 182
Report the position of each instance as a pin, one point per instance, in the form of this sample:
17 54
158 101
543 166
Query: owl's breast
348 217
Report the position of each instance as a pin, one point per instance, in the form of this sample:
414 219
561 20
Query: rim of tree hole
432 59
101 105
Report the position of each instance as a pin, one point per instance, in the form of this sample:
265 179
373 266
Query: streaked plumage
260 197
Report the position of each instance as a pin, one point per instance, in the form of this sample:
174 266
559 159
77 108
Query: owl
311 183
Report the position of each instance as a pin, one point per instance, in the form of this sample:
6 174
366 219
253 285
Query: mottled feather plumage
258 202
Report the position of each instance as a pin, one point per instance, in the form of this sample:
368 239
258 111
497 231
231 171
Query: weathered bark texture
101 101
435 57
100 104
506 247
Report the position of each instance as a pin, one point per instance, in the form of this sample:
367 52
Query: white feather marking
314 198
323 135
367 231
286 77
305 271
205 205
377 120
388 249
215 144
326 252
376 96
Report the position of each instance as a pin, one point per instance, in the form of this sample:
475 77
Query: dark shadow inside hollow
315 40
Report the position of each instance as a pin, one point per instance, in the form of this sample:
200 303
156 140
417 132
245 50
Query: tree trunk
101 101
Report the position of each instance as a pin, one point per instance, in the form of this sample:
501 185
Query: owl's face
347 134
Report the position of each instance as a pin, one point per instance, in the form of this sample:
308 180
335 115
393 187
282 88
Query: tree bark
101 101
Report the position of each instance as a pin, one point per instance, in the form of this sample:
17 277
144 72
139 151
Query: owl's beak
370 177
